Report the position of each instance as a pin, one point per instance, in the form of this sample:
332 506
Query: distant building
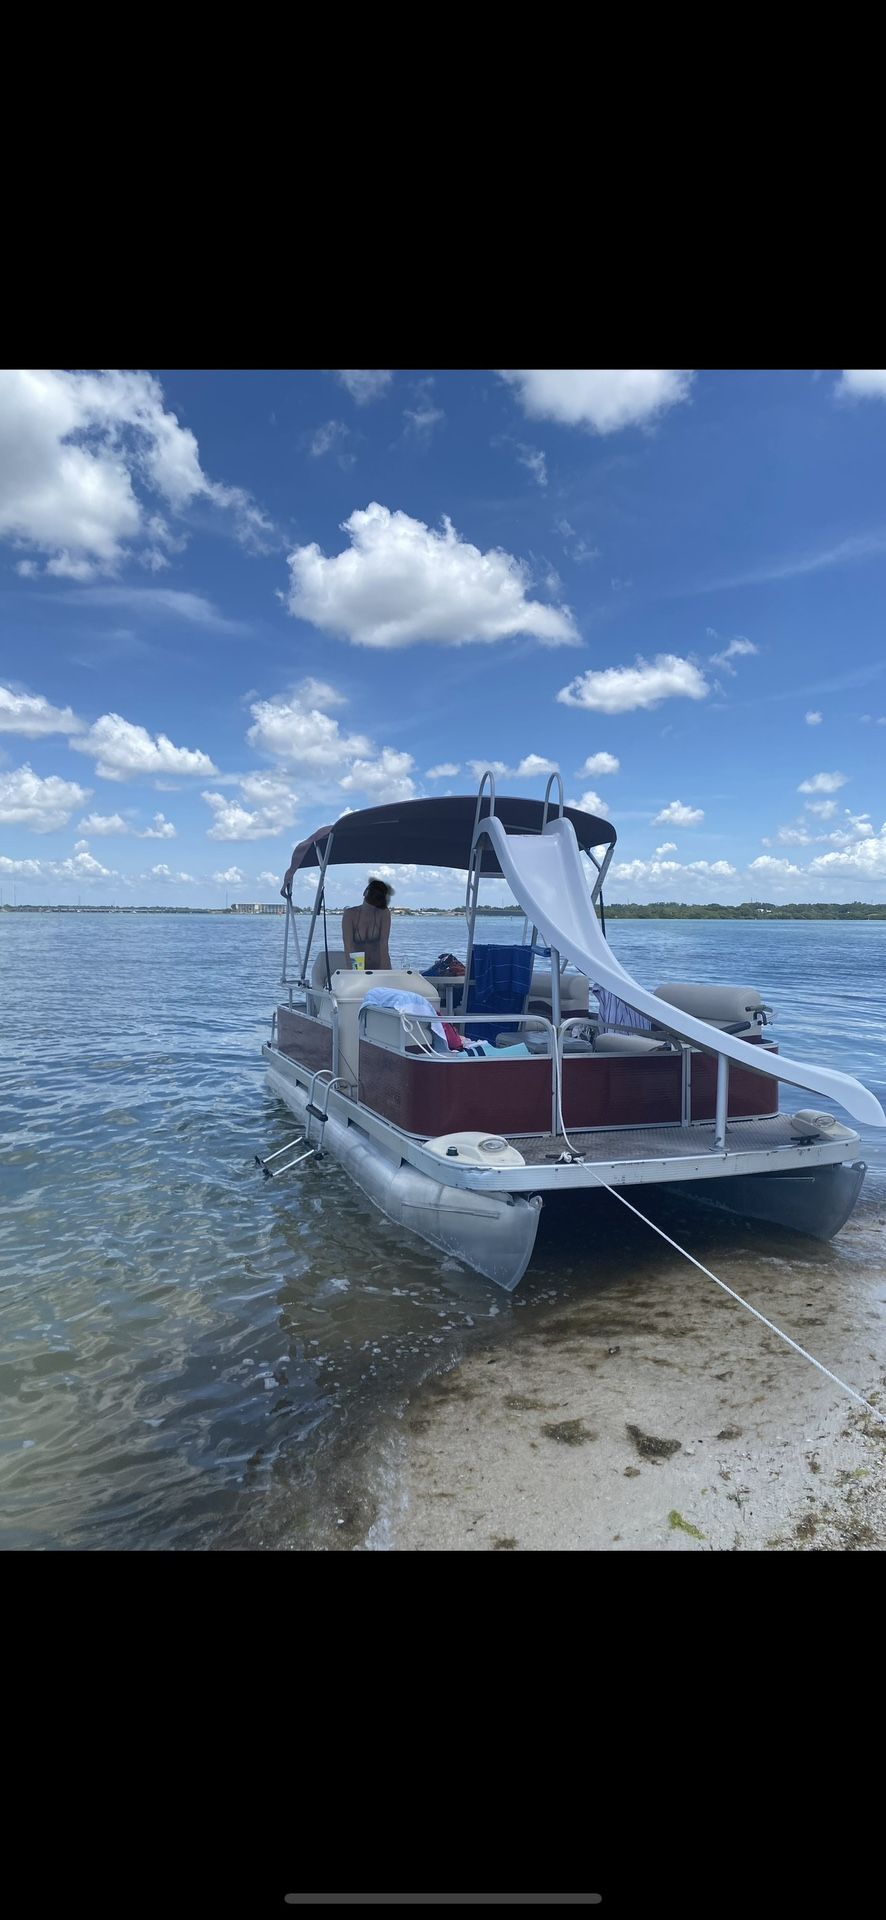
262 906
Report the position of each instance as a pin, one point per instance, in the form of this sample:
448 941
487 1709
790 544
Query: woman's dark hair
377 893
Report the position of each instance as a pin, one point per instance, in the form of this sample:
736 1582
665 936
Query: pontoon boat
458 1105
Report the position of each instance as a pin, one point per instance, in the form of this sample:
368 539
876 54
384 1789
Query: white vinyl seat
738 1010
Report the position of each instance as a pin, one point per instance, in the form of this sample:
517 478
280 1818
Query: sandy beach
653 1413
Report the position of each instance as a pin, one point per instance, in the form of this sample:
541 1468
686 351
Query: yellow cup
360 962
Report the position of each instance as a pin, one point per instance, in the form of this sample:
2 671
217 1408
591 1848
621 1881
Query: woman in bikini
365 929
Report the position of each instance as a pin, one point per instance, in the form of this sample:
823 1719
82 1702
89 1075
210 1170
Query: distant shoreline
851 910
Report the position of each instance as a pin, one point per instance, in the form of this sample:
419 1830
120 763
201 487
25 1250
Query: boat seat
573 992
738 1010
313 1004
349 989
615 1042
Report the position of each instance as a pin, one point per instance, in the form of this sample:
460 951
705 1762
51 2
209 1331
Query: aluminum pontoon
593 1081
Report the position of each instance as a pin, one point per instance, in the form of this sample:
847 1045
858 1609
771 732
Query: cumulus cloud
77 453
32 714
232 877
768 866
29 800
823 783
676 815
165 874
99 823
114 823
591 802
80 865
865 859
601 401
813 719
446 770
273 808
530 767
387 777
121 750
597 763
659 872
365 383
667 846
824 808
401 581
295 729
646 684
855 385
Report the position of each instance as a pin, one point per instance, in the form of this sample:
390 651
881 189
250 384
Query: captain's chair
338 959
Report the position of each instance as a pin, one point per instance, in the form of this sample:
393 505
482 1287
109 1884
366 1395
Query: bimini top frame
437 833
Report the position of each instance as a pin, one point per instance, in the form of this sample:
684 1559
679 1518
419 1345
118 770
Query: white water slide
549 881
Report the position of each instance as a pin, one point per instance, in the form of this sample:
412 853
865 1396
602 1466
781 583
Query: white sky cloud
824 808
387 777
735 651
81 865
123 751
531 767
597 763
814 719
646 684
865 860
677 815
536 463
169 603
591 802
166 876
658 873
770 867
667 846
231 877
96 824
602 401
823 783
272 810
77 451
43 804
401 582
855 385
32 715
295 729
447 770
365 383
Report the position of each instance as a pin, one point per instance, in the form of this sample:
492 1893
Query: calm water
191 1356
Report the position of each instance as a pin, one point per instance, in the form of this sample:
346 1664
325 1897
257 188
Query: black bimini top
433 833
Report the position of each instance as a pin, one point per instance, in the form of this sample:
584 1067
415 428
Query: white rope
842 1384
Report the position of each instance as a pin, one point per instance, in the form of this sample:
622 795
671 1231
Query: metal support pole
317 899
685 1085
555 990
722 1100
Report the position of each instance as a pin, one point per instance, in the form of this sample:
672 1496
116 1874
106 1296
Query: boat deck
659 1143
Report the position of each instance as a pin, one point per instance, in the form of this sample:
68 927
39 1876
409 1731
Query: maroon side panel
307 1041
431 1097
514 1096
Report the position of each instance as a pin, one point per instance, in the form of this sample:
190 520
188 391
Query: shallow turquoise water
191 1356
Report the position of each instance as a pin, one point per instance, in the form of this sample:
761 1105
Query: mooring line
786 1337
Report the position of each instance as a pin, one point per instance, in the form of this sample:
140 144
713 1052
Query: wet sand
647 1411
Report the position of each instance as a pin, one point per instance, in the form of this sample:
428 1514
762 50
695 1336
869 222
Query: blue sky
236 604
